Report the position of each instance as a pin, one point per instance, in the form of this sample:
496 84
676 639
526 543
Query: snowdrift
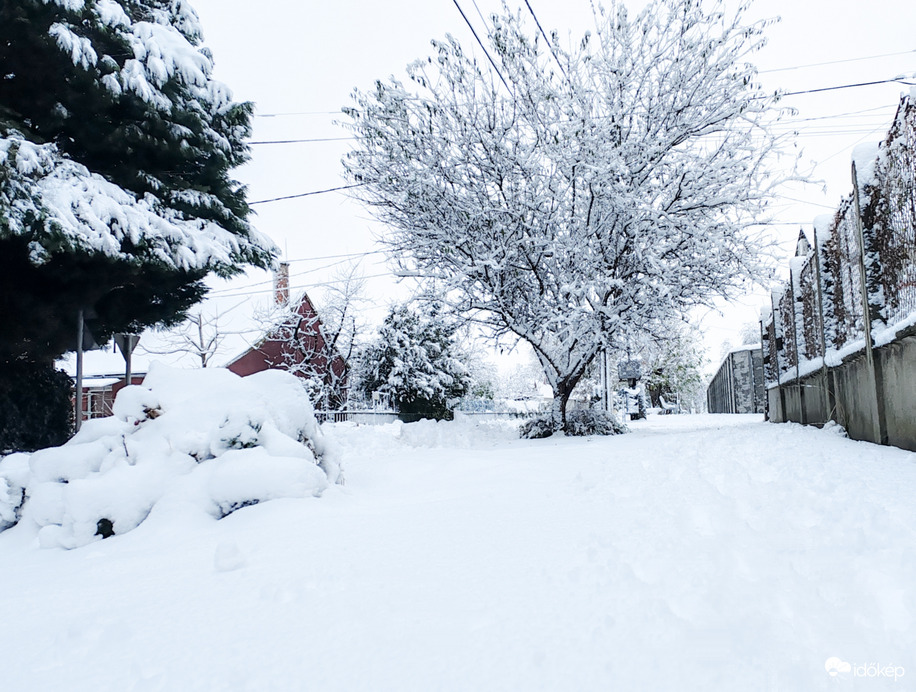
201 438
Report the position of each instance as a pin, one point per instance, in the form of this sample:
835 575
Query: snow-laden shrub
593 422
35 406
536 428
579 423
207 438
14 473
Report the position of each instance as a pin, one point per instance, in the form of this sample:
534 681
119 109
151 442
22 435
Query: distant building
99 392
737 386
296 346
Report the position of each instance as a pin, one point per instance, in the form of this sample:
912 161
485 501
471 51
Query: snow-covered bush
14 472
537 428
593 422
205 438
579 423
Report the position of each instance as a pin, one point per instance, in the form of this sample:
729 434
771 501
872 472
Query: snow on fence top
819 315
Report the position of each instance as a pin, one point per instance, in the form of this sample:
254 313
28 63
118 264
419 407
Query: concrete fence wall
874 403
737 386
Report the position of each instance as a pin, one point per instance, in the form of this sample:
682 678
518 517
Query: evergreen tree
115 151
413 359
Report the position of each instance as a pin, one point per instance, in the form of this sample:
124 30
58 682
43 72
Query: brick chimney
281 284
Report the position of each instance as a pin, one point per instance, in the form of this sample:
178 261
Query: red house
99 392
299 344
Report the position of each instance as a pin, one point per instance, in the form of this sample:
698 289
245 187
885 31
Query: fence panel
810 322
770 352
788 357
892 220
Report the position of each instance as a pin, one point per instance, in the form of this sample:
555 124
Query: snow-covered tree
579 192
674 361
414 361
201 335
750 333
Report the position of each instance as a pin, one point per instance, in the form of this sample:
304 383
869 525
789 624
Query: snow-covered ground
698 553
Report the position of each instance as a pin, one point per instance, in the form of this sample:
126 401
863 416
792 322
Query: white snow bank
715 553
207 438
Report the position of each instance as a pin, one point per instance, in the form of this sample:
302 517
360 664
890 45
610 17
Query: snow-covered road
698 553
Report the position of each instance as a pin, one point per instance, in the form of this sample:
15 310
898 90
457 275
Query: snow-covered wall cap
822 225
796 264
865 156
740 348
778 293
766 312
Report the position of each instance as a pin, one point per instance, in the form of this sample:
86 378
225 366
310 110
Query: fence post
764 339
782 394
80 326
873 364
829 396
803 414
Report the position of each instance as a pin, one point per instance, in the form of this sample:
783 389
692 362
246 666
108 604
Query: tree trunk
561 393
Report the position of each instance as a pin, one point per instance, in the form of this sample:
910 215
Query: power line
346 256
327 257
302 141
547 40
850 146
281 115
322 284
802 201
305 194
842 115
480 14
483 47
787 124
844 86
220 291
837 62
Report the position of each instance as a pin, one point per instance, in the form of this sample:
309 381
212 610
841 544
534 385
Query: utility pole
78 404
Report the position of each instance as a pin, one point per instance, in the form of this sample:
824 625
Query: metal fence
891 217
861 269
369 416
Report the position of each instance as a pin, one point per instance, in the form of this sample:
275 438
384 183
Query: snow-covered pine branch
586 203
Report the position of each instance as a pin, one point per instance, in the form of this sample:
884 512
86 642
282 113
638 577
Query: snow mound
461 433
207 438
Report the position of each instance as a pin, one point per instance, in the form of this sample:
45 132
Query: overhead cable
306 194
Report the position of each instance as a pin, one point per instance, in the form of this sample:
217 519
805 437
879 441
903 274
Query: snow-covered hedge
205 438
579 423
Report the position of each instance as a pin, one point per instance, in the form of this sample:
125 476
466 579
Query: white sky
301 61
